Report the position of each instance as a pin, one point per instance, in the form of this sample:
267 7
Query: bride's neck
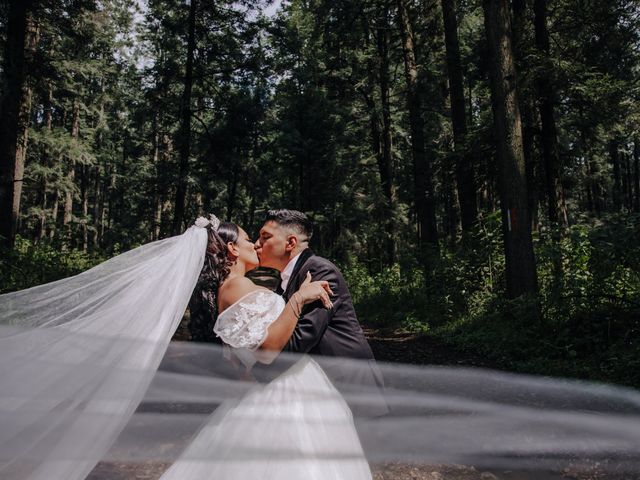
238 269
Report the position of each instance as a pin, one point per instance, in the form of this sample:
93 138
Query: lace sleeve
244 324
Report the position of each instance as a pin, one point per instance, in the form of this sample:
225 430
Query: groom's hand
312 291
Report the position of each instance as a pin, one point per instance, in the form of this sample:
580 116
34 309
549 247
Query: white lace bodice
244 324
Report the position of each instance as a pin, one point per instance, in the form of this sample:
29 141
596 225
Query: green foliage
389 298
590 319
419 298
30 264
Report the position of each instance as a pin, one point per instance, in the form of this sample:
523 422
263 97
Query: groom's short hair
291 219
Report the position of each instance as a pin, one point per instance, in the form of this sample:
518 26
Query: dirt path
403 347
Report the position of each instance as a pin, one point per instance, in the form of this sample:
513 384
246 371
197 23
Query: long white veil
77 355
86 377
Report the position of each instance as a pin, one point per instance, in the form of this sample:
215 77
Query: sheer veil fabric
77 355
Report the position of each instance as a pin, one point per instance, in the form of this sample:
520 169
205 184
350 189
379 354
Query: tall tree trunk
110 174
232 190
12 118
184 138
71 174
422 168
556 208
374 125
385 160
450 214
521 21
84 188
44 160
521 277
256 150
164 213
31 43
628 182
120 192
588 190
96 213
636 174
533 195
463 164
98 203
157 197
54 214
594 200
617 177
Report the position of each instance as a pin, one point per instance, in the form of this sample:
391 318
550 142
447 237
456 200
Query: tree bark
617 177
636 174
71 174
521 277
31 43
521 10
385 159
12 119
448 195
98 205
97 185
593 192
232 189
628 182
184 138
422 169
84 195
556 208
44 160
54 214
157 198
463 159
164 208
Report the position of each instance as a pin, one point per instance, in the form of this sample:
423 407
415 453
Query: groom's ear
292 243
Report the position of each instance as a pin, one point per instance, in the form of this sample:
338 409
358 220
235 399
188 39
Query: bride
298 425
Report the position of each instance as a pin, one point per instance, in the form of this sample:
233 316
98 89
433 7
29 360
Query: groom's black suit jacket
335 332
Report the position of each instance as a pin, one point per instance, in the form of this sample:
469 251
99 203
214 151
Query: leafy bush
30 264
585 322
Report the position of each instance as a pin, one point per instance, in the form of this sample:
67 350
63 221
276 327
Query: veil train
78 354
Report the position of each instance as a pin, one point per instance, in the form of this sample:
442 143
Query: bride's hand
311 291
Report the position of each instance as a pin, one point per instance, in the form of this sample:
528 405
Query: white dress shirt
285 275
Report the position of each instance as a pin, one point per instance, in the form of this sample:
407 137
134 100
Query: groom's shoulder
318 262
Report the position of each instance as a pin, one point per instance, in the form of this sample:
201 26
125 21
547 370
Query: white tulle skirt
297 426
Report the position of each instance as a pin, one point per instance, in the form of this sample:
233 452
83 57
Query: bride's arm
280 330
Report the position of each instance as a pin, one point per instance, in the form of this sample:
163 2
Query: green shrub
30 264
584 323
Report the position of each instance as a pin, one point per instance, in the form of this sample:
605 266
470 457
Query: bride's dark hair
203 307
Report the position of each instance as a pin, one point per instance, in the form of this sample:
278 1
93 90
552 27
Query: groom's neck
293 254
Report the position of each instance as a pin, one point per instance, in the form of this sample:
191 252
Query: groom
283 244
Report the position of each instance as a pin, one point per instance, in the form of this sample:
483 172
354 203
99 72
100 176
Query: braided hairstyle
203 306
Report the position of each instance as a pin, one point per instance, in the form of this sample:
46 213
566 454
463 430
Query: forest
472 165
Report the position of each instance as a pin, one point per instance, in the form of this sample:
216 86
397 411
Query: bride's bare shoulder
233 289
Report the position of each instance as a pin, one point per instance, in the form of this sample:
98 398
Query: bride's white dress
297 426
